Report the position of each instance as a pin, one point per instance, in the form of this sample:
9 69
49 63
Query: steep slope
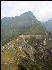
48 25
36 29
14 26
27 52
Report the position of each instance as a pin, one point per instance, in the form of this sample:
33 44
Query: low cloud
41 9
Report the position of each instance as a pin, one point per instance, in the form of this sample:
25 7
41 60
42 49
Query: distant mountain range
48 25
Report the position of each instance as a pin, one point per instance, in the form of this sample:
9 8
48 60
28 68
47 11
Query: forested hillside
23 24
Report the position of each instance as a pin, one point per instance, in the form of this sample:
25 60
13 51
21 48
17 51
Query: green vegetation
37 67
23 45
20 59
36 29
12 27
48 25
21 67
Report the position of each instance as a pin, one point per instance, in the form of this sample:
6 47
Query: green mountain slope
14 26
48 25
36 29
27 52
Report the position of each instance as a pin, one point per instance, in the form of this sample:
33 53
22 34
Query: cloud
41 9
2 14
44 13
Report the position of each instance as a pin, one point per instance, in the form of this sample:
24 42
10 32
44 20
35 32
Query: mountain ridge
25 44
48 25
18 25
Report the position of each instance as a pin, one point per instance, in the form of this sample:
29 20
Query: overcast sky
42 10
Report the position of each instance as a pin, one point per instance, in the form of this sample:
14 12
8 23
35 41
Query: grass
37 67
7 68
5 56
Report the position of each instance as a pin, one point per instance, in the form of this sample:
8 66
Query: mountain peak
27 13
50 19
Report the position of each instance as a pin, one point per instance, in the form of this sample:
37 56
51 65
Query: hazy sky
41 9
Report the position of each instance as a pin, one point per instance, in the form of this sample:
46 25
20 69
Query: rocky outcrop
28 51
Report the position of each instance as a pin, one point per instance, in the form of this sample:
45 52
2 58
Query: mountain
48 25
27 52
20 54
18 25
25 44
36 29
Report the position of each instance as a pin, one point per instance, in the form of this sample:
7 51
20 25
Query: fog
42 10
